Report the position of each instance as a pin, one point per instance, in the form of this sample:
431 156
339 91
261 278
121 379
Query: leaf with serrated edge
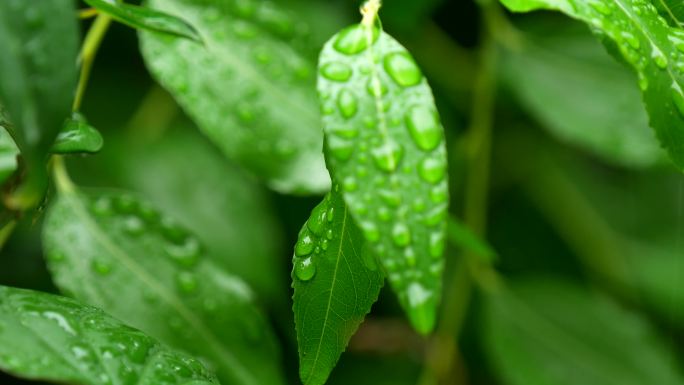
115 246
247 88
384 145
47 337
650 46
336 281
145 18
537 331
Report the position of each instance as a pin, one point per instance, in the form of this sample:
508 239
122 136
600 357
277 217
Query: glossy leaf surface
385 147
249 90
47 337
652 48
566 80
145 18
115 246
37 69
336 280
548 332
8 153
77 136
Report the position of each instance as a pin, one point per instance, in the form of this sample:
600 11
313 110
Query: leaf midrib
227 358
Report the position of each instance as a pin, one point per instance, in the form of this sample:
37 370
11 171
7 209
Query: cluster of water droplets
314 240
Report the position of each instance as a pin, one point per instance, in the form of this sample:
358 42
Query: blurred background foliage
585 212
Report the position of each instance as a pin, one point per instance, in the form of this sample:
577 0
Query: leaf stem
62 179
369 10
91 44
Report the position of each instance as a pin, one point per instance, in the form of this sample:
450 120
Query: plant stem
444 347
87 56
62 180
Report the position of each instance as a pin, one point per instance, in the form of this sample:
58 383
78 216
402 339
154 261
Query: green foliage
110 246
384 145
336 280
650 46
77 136
58 339
553 332
8 154
255 97
145 18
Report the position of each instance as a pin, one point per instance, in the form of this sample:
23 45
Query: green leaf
461 236
552 73
114 246
371 369
248 89
37 70
550 332
672 11
77 136
146 18
651 47
8 154
47 337
336 280
384 145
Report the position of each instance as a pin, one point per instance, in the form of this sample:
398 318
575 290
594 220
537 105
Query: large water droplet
101 267
387 156
401 235
61 321
348 132
421 304
317 220
659 58
186 282
353 40
305 244
424 127
402 69
339 148
133 225
437 244
347 103
336 71
349 184
432 169
304 268
370 231
186 253
391 197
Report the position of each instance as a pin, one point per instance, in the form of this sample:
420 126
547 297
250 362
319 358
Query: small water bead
61 321
346 132
126 204
340 149
643 82
148 213
432 169
349 184
329 234
187 282
436 216
278 22
437 268
317 220
324 245
353 40
305 244
401 235
347 103
402 69
410 258
370 231
424 127
133 225
102 206
632 40
421 303
419 205
245 112
387 156
659 58
101 267
304 269
437 244
384 214
331 211
336 71
439 193
390 197
186 253
56 257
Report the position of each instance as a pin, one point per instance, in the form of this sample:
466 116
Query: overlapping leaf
548 332
336 280
563 76
248 88
113 246
652 48
145 18
46 337
385 147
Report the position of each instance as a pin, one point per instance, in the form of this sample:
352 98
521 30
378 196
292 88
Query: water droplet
305 268
632 40
133 225
643 82
424 127
384 214
331 211
305 244
336 71
148 213
172 231
402 69
102 206
401 235
61 321
391 197
101 267
186 253
387 156
601 7
349 184
410 258
437 244
317 220
659 58
349 132
432 169
439 193
421 304
370 231
353 40
56 257
186 282
126 204
436 216
347 103
324 245
339 148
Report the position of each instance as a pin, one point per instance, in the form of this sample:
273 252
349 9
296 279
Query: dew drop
331 212
348 132
432 170
387 156
186 282
324 245
424 127
632 40
384 214
305 268
244 30
659 58
186 253
349 184
402 69
370 231
339 148
352 40
335 71
102 206
126 204
304 245
172 231
401 235
436 216
347 104
133 225
317 220
101 268
439 193
390 197
421 303
437 244
61 321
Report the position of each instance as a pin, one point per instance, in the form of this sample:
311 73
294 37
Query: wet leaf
47 337
649 45
551 332
77 137
112 246
384 145
249 90
336 280
8 154
145 18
